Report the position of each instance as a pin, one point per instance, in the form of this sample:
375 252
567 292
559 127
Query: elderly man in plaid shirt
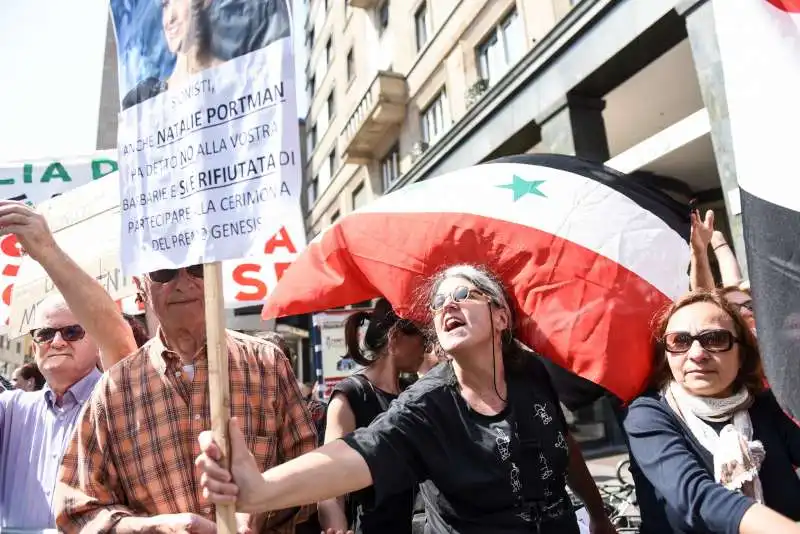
129 467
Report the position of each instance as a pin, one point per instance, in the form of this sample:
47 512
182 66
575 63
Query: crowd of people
112 435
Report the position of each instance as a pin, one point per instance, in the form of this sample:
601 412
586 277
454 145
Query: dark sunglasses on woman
163 276
459 294
73 332
720 340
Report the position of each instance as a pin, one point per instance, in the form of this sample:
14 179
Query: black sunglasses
162 276
73 332
746 305
459 294
711 340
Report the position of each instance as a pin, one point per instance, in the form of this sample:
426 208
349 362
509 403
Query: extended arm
86 298
728 266
340 421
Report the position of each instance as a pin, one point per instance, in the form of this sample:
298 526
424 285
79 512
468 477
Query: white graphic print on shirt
545 472
561 442
503 443
541 413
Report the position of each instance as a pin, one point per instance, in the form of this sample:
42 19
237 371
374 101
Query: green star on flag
522 187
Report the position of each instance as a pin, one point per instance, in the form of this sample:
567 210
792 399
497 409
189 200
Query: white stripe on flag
600 218
760 50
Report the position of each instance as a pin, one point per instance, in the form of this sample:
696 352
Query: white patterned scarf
737 458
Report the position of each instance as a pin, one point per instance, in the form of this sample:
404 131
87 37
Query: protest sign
209 156
92 210
208 149
246 281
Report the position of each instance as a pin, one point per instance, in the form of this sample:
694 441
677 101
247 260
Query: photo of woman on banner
163 43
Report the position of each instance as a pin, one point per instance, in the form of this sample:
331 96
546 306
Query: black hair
138 328
31 370
383 322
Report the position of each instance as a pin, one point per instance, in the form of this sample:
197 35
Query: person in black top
393 346
711 450
483 430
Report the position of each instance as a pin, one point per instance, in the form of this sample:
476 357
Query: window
313 190
351 66
335 216
383 16
435 118
312 86
329 51
501 49
332 162
390 167
331 104
421 26
311 139
310 39
359 197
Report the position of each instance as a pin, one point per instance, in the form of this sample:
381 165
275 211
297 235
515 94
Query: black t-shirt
393 515
481 473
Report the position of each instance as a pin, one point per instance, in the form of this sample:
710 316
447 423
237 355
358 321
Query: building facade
401 91
386 80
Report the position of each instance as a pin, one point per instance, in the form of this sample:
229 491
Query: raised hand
28 225
702 230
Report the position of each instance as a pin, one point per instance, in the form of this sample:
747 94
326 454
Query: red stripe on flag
790 6
584 311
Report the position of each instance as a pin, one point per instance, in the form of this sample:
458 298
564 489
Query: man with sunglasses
35 427
130 465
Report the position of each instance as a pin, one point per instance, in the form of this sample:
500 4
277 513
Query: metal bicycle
619 500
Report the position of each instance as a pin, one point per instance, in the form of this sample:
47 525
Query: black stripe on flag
772 241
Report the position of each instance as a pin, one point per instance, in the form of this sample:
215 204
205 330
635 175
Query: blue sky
52 64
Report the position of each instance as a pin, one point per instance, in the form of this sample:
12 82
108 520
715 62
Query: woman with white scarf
711 450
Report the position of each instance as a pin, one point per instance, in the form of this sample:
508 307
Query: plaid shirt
133 451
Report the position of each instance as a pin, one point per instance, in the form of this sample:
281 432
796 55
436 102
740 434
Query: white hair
51 302
481 278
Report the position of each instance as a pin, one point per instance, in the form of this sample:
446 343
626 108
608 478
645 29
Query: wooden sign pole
218 384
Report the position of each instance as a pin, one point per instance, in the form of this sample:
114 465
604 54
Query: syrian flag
587 254
759 44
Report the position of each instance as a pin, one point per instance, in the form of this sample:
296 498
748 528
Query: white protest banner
84 222
208 136
39 180
92 210
35 181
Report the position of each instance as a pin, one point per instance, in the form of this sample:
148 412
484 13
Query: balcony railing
380 110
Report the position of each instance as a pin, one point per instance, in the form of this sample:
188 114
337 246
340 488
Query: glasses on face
744 305
458 294
711 340
163 276
69 333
